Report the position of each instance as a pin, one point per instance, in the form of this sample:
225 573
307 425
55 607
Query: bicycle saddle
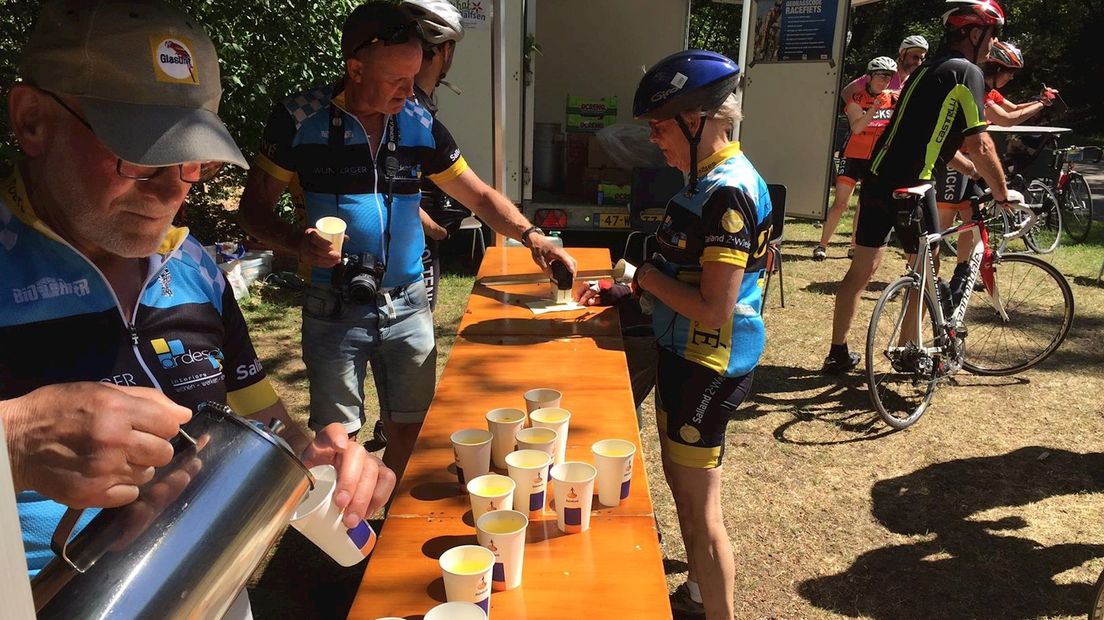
916 191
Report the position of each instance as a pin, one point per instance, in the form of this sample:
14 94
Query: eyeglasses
190 172
882 74
396 35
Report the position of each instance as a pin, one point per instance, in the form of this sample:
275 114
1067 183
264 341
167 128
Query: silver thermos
187 545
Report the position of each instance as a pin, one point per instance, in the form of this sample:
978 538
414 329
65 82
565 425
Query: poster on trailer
794 30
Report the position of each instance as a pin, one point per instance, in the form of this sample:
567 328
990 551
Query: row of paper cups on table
502 505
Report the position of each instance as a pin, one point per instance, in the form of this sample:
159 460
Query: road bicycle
919 336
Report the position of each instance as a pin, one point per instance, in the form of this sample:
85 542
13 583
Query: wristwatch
529 231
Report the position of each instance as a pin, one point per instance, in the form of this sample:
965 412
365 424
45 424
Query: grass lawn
987 508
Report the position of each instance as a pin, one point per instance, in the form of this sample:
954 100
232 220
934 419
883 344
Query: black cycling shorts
953 187
879 213
693 407
853 170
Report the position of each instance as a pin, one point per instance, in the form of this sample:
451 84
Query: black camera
359 276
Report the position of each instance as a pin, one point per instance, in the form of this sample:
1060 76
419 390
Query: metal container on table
187 545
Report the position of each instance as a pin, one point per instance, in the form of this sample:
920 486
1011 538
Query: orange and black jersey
942 103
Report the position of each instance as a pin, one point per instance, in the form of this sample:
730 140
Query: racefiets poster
794 30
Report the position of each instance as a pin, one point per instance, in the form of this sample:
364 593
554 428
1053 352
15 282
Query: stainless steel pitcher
187 545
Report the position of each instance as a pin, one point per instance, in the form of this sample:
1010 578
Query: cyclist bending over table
957 188
950 86
868 112
705 285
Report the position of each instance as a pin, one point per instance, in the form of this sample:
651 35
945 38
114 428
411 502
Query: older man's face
93 207
383 76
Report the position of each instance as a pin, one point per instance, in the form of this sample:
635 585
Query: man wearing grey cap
113 323
358 150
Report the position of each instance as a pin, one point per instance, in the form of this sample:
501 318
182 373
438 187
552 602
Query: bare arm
849 90
259 219
432 229
983 154
858 119
963 164
1012 114
503 216
711 303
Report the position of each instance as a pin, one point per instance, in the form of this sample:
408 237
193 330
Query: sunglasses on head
394 35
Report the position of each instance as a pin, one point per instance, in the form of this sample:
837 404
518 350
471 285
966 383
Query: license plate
612 220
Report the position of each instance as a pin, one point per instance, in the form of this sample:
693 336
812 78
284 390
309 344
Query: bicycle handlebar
1015 203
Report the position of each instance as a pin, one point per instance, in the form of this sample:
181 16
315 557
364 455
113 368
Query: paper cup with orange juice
504 423
529 471
613 458
573 487
467 572
557 419
503 533
490 492
541 397
471 450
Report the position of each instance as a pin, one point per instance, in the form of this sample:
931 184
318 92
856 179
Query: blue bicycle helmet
688 81
684 81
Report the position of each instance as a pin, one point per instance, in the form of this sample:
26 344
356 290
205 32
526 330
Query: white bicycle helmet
881 63
439 19
913 41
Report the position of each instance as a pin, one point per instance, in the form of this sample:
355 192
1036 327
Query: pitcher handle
59 544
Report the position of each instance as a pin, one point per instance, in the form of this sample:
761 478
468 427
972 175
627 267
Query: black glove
611 293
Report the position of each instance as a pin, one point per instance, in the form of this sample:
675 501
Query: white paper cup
471 449
624 271
503 532
572 486
543 439
503 424
490 492
333 229
319 519
541 397
529 470
557 419
456 610
613 458
467 573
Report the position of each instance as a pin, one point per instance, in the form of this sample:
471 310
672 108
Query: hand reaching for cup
364 483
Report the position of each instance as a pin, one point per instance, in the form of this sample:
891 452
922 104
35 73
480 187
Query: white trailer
598 48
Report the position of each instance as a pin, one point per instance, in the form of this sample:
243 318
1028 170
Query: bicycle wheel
1039 305
1077 208
1096 612
899 372
1043 236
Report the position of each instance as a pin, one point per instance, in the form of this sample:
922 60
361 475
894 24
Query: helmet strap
694 139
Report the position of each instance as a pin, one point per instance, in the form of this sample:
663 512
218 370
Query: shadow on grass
1086 281
300 581
968 567
831 288
814 397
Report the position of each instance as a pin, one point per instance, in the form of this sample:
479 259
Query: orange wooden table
614 569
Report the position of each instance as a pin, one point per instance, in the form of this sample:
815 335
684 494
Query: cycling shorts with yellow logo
693 407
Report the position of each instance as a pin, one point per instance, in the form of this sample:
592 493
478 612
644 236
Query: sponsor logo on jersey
172 353
173 61
689 434
50 288
732 222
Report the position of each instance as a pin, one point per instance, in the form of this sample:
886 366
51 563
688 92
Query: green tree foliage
1058 38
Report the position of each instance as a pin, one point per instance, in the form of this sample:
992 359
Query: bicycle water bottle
944 297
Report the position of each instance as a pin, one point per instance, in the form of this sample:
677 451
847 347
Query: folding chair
774 246
473 224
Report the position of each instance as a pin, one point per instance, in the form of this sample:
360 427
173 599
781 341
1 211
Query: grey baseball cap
145 74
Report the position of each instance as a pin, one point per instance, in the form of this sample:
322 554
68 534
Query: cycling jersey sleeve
972 101
247 388
445 163
730 220
275 153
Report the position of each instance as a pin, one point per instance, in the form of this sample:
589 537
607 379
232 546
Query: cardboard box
613 194
577 123
597 156
603 106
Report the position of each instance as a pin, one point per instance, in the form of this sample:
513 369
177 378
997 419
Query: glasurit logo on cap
173 61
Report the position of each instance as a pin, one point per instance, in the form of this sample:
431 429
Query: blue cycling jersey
60 322
727 220
313 143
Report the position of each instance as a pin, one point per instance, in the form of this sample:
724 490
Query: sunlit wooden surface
613 570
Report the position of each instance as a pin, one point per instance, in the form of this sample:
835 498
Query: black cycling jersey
942 103
440 206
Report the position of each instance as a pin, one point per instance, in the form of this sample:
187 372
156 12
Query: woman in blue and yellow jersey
705 285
